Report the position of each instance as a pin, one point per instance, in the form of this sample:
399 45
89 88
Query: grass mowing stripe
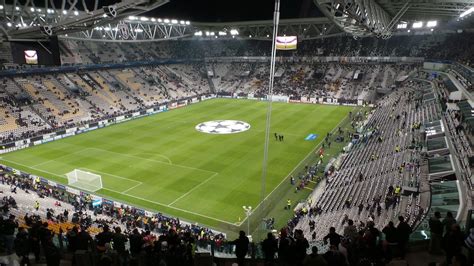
147 149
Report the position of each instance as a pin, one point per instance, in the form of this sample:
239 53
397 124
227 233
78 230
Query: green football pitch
162 163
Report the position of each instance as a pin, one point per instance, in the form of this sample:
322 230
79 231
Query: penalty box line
131 196
172 207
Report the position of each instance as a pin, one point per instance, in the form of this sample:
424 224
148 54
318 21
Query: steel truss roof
36 19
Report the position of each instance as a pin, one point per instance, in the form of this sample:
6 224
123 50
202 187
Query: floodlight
234 32
418 25
1 7
65 12
167 20
160 20
182 22
144 19
174 21
76 13
402 26
153 19
222 33
138 30
132 17
9 24
32 9
187 22
17 8
198 33
431 24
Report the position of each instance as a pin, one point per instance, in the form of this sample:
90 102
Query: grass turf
162 163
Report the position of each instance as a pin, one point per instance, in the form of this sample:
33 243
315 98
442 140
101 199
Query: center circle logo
223 127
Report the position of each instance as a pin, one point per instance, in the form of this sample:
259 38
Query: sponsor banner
108 202
60 132
73 191
61 186
52 183
149 111
93 128
69 134
48 136
135 114
57 137
194 100
71 130
43 181
119 118
38 142
148 214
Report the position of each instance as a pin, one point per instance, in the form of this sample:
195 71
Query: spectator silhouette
241 247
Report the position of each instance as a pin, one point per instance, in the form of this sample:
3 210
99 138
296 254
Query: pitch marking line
304 159
115 176
60 157
171 207
151 160
132 196
192 189
155 154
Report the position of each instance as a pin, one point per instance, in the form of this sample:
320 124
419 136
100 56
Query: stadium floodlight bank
84 180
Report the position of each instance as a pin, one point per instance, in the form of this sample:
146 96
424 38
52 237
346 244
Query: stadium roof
115 20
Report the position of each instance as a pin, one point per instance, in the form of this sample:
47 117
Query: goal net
84 180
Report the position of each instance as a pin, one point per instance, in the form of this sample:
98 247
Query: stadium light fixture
32 9
76 13
160 20
38 9
418 25
132 18
431 24
174 21
467 12
402 26
17 8
222 33
1 7
248 212
182 22
234 32
408 30
9 24
188 22
198 33
138 30
167 20
250 36
144 19
65 12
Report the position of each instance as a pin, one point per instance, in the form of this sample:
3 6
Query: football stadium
164 132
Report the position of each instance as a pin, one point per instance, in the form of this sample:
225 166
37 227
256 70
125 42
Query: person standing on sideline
37 205
241 247
436 230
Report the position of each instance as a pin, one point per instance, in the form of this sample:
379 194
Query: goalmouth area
190 162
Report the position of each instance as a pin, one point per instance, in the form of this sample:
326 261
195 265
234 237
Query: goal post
84 180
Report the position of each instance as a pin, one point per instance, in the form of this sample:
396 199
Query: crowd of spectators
108 233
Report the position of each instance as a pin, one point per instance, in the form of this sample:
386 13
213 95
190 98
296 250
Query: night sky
232 10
